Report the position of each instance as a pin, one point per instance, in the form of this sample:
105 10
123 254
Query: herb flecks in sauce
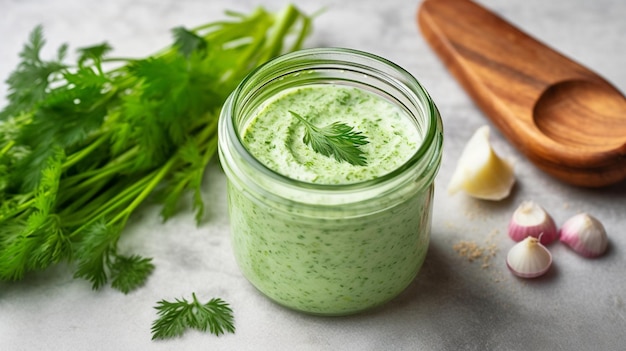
275 137
305 253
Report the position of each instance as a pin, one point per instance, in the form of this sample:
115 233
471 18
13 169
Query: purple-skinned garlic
529 258
530 219
585 234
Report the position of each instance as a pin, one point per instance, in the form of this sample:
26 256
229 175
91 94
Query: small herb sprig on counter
83 145
337 140
180 315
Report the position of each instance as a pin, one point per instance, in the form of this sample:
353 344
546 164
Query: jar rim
357 59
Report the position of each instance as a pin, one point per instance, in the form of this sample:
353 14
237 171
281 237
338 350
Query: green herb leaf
130 272
36 240
30 80
93 253
338 140
180 315
189 42
93 53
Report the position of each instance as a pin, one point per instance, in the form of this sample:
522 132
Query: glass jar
330 249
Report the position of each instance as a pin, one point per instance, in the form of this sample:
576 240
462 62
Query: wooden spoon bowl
566 119
566 106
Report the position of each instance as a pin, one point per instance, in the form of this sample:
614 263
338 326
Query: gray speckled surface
452 305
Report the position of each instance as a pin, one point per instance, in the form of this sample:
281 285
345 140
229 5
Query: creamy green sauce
340 265
274 137
330 267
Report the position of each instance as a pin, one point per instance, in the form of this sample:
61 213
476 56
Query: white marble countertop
452 305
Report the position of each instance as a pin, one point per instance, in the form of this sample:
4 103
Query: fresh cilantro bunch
83 145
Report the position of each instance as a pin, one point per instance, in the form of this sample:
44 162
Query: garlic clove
585 234
480 172
529 258
530 219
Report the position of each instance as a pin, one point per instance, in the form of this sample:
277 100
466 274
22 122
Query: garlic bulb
480 172
530 219
529 258
585 234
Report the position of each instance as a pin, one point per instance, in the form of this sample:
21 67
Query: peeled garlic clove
530 219
585 234
480 172
529 258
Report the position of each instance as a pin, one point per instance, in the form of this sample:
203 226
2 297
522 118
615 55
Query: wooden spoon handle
509 75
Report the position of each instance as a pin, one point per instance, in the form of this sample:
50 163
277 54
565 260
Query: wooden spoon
566 119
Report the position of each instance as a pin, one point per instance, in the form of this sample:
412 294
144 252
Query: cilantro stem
7 147
154 181
97 211
118 59
81 197
285 21
18 210
77 157
114 167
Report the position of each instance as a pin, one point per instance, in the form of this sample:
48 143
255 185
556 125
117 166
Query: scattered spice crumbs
475 252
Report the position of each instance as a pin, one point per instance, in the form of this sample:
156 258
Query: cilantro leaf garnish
337 140
180 315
